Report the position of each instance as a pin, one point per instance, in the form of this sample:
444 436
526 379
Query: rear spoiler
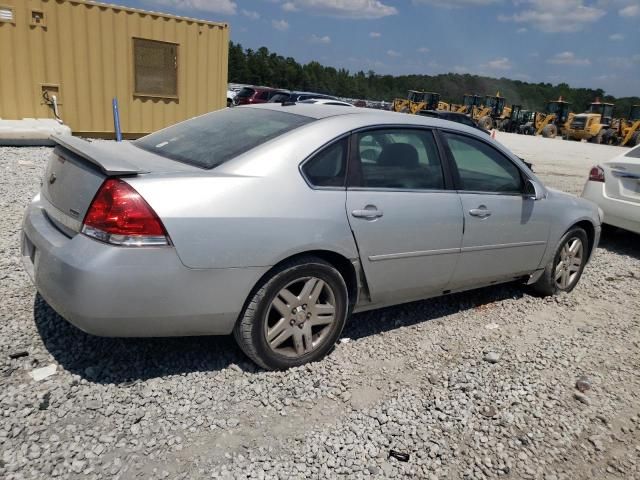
107 160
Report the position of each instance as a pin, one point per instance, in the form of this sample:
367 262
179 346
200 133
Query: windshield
212 139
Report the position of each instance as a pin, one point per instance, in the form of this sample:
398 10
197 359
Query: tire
610 137
597 139
229 103
547 284
486 122
635 140
290 324
550 131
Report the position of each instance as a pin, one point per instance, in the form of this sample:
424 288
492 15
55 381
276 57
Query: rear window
246 92
633 153
215 138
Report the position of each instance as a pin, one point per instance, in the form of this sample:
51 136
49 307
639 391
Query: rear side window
212 139
328 168
398 159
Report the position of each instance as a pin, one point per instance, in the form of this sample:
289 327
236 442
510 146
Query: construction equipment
527 123
469 103
555 119
417 100
630 128
596 125
511 123
493 109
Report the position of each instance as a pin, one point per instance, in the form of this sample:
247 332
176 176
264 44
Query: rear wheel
550 131
610 137
295 316
635 140
565 269
597 138
486 122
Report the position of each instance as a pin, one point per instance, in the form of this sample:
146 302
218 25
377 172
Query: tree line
262 67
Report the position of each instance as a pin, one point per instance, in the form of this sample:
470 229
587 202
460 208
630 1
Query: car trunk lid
77 169
622 179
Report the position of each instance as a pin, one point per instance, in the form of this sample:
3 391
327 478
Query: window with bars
155 66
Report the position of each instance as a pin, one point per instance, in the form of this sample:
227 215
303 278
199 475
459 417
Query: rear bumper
618 213
129 292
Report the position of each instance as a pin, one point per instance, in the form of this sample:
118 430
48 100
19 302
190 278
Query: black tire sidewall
279 280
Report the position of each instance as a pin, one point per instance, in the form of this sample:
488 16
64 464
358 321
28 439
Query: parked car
235 222
615 187
327 101
230 96
253 95
298 97
462 118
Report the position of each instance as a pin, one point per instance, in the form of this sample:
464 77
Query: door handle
368 213
481 212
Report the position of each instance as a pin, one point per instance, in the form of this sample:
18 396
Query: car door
406 219
506 231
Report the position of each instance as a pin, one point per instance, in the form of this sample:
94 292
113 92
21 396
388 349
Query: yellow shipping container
161 68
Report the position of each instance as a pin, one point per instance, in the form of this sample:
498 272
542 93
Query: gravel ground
490 383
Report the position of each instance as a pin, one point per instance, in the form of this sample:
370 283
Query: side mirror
534 190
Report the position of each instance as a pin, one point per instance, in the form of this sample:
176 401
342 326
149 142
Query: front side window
398 159
481 168
328 168
155 68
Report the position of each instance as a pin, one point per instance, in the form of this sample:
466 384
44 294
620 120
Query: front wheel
565 269
550 131
295 316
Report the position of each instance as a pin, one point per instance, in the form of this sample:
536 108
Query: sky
585 43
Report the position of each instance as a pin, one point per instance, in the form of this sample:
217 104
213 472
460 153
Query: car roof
364 116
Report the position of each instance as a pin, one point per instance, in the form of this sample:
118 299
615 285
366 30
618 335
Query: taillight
596 174
120 216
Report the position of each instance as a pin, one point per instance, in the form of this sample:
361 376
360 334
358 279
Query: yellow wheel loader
416 101
468 105
630 128
492 111
596 125
556 119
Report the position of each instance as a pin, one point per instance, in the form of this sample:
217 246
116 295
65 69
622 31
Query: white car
326 101
615 187
231 95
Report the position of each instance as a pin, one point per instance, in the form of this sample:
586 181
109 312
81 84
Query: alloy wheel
300 317
569 263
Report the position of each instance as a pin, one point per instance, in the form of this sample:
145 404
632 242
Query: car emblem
52 178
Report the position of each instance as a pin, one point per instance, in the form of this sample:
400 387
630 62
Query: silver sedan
277 222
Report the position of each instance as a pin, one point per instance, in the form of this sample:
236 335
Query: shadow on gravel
619 241
120 360
124 360
386 319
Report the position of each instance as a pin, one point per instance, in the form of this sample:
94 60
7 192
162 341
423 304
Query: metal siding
87 50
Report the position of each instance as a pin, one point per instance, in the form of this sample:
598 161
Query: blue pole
116 119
